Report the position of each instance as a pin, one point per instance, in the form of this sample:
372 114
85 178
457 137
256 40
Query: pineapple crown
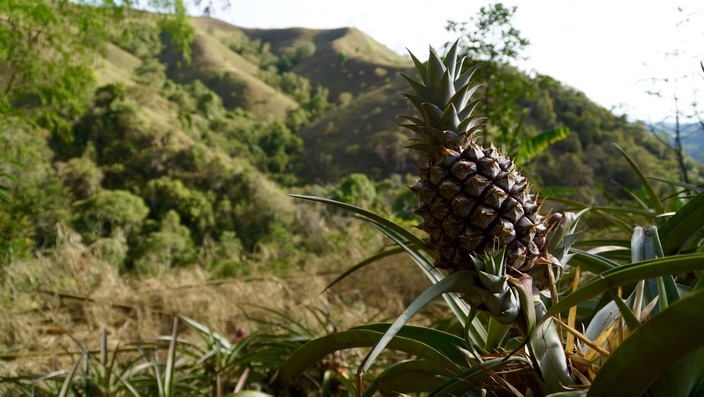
443 97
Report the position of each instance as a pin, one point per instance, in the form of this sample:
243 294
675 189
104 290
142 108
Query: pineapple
473 200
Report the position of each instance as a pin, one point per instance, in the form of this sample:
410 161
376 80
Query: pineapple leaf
458 70
462 96
594 263
420 66
680 228
645 354
68 381
400 231
456 282
169 372
316 349
475 330
205 330
645 244
654 199
450 59
417 123
470 125
468 109
420 90
435 69
465 77
546 346
444 342
418 103
689 186
432 114
407 377
496 333
364 263
630 273
460 383
444 90
632 195
450 120
632 321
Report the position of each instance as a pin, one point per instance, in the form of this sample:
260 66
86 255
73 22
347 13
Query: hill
201 153
263 71
692 137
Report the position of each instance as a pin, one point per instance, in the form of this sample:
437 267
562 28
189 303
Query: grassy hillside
255 69
256 113
207 145
234 78
360 136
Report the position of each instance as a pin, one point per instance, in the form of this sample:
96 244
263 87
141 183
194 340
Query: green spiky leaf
435 70
450 59
444 90
539 143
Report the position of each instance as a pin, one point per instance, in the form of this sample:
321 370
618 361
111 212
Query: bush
168 247
81 175
356 189
107 211
193 206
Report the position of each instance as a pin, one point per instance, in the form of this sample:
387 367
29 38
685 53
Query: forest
189 207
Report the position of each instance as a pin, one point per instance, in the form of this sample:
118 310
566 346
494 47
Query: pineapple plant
473 200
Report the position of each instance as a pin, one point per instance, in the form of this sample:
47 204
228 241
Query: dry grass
117 67
67 296
232 77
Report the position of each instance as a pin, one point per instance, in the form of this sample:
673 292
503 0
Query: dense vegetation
177 156
169 143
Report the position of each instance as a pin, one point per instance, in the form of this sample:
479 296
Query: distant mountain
692 137
272 73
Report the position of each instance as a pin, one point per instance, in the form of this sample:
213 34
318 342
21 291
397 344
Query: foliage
35 200
513 339
490 38
109 211
206 363
656 271
356 189
169 246
49 66
160 174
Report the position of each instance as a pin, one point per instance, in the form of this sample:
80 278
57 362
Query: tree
102 214
685 119
356 189
47 50
171 245
491 40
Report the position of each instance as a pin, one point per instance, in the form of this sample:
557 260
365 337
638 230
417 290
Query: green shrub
168 247
193 206
81 175
356 189
107 211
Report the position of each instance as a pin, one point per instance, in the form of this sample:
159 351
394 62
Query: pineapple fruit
472 199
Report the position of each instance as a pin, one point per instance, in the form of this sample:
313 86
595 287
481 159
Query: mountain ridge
254 69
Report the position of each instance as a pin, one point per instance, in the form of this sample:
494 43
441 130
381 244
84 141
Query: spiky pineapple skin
475 202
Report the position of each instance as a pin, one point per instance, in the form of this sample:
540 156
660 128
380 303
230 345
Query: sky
614 51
